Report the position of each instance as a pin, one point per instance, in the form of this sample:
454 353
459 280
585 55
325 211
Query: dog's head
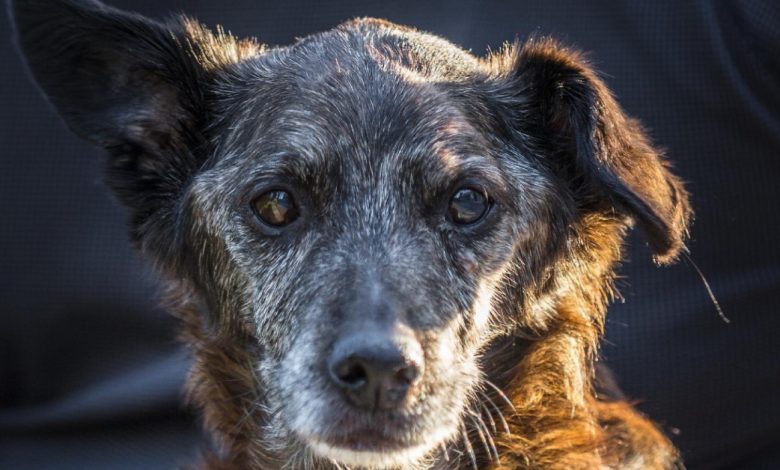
367 209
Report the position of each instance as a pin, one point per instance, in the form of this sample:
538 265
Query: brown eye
468 206
276 208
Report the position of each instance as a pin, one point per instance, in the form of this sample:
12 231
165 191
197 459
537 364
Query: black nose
373 370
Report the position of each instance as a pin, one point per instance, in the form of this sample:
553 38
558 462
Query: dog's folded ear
563 106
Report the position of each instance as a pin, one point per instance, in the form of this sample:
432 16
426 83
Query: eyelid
485 186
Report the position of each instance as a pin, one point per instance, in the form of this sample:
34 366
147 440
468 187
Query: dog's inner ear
569 112
120 79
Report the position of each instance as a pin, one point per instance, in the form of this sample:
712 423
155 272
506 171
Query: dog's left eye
468 206
276 208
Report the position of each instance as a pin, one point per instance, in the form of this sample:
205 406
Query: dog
385 252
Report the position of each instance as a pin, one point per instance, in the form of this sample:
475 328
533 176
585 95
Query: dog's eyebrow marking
454 143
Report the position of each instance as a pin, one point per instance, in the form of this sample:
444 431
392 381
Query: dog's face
367 209
370 222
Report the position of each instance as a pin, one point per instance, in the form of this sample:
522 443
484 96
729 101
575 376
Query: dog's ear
560 103
132 85
116 78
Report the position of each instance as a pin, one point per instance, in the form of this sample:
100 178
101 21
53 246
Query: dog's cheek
453 378
467 261
283 379
303 395
282 293
483 263
268 371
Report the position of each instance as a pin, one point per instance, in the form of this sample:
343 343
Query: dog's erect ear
561 103
116 78
119 78
132 85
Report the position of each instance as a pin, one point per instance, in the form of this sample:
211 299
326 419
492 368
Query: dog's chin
367 451
380 458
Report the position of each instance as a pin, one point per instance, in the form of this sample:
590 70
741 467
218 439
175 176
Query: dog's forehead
353 103
393 124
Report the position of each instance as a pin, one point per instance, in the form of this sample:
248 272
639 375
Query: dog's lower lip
365 440
360 437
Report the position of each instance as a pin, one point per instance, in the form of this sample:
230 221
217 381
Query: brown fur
559 422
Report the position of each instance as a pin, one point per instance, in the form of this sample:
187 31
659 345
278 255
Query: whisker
455 463
445 452
482 438
486 411
501 394
498 412
469 448
715 302
486 437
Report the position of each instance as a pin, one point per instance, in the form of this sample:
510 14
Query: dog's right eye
468 206
276 208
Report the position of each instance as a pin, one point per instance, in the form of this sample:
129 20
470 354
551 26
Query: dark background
90 373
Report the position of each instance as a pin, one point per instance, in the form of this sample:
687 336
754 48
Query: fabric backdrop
90 373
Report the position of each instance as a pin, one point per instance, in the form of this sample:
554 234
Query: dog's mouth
371 433
378 443
366 440
384 455
372 449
